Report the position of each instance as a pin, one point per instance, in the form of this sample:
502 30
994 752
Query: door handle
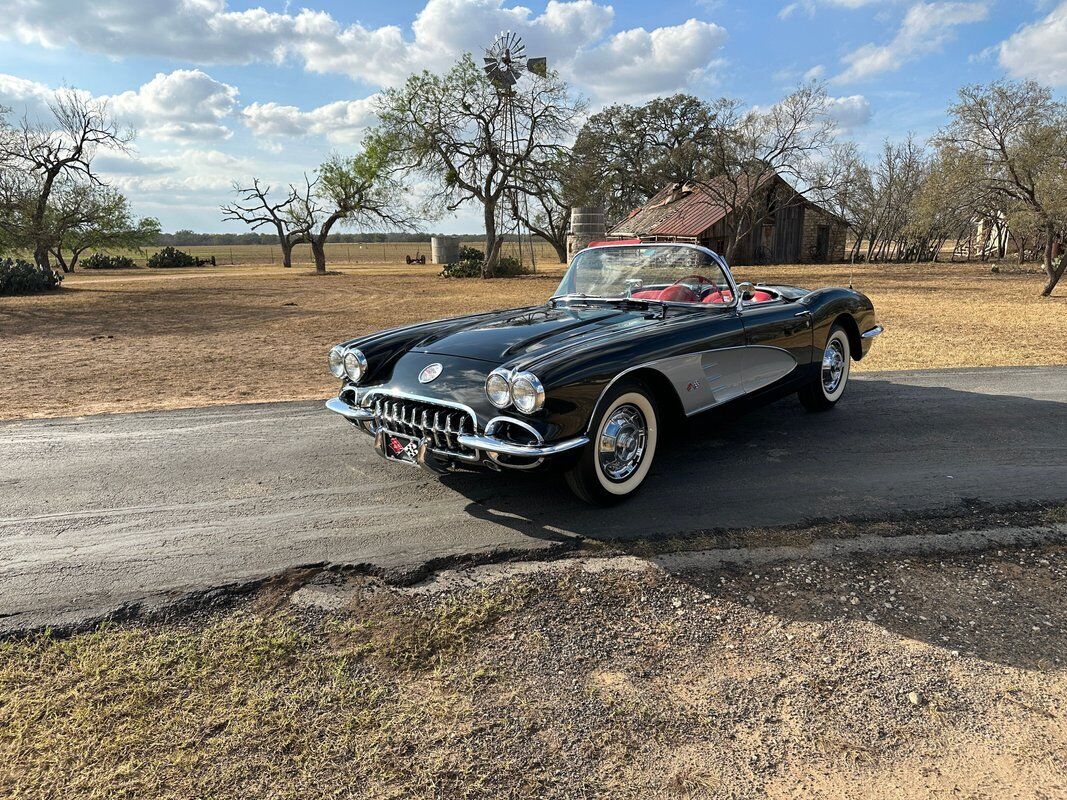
802 314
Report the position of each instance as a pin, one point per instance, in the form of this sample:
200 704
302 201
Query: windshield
650 272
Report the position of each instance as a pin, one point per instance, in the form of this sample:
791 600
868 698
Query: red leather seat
674 294
727 297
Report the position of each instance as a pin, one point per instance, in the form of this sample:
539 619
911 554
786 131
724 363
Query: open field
337 253
859 677
136 340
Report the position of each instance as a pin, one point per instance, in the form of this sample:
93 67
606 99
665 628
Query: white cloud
925 29
342 122
570 33
184 105
849 113
638 63
25 97
1039 50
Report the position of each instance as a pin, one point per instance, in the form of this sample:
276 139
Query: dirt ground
870 677
138 340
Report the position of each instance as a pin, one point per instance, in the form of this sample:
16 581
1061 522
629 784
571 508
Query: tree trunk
287 253
1054 273
318 249
561 250
492 242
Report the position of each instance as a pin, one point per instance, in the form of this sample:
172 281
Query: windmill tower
505 62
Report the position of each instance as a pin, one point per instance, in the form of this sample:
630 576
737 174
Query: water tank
588 221
444 249
587 225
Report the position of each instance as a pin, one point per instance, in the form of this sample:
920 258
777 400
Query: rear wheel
615 462
829 384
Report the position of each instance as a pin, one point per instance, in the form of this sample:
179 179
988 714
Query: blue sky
221 91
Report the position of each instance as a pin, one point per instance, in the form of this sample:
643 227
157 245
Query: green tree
450 129
45 156
354 191
624 154
94 217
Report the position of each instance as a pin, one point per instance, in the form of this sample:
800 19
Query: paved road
101 511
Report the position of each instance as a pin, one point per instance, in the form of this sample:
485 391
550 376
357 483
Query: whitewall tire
828 385
623 440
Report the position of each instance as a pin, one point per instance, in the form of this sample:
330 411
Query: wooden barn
790 230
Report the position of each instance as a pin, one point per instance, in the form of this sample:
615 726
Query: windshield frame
715 257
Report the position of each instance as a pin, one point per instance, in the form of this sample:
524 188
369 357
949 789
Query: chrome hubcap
833 366
622 442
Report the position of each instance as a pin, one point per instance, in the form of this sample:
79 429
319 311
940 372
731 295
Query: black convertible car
635 336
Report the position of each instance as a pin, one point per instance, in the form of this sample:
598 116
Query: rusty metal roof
683 211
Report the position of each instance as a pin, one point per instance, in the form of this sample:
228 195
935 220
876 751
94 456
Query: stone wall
813 218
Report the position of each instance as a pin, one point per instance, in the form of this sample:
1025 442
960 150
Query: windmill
505 62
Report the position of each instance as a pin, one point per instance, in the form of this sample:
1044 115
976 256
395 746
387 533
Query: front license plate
401 448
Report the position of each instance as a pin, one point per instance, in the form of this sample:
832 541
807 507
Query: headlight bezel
356 369
504 375
336 361
537 391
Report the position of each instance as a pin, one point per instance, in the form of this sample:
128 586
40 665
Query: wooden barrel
444 249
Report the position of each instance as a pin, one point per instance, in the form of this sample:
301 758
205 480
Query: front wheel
828 386
615 462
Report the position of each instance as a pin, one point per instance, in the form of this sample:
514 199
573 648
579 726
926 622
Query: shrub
22 277
104 261
470 264
171 257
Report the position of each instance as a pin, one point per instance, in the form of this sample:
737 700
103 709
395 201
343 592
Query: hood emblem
429 372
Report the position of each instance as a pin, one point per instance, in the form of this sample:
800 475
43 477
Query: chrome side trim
495 446
875 331
339 406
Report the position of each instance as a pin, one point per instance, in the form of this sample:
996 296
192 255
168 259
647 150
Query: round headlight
498 389
337 362
355 365
527 393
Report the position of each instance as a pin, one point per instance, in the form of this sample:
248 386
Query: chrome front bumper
875 331
489 445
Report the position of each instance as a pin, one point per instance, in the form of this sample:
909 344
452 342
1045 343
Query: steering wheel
701 281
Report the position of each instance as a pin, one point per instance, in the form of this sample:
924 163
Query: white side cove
705 380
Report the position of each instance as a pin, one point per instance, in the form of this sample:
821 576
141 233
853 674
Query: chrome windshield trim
719 260
494 446
875 331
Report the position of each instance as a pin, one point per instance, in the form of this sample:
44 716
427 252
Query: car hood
511 335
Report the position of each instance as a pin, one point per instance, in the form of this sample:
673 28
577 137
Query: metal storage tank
444 249
587 225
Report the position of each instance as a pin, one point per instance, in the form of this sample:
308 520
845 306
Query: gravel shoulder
853 674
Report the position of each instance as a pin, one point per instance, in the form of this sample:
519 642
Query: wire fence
341 254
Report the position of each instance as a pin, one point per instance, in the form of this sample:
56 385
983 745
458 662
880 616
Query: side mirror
633 285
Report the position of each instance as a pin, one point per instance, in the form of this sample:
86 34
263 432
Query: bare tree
451 128
1013 135
84 126
792 140
255 208
358 191
540 200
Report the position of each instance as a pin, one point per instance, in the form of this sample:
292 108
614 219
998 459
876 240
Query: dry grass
795 682
111 342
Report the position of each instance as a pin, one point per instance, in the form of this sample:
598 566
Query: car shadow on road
888 450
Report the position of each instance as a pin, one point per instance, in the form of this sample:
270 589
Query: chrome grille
420 419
